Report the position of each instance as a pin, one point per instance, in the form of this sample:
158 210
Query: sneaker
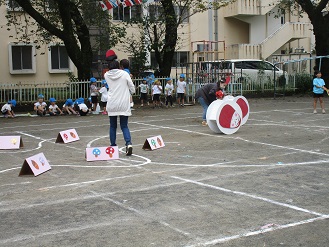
129 150
104 113
315 112
142 105
323 111
204 123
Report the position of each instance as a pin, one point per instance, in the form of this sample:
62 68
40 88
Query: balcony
249 7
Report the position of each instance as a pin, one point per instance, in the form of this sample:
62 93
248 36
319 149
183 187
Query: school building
243 29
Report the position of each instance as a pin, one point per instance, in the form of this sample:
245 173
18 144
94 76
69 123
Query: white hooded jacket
120 88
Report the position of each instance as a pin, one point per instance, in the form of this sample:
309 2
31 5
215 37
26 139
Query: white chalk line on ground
79 228
88 182
143 215
263 230
237 138
248 195
42 124
21 206
254 233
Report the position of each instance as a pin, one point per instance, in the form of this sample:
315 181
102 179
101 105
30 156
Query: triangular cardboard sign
11 142
102 153
67 136
35 165
153 143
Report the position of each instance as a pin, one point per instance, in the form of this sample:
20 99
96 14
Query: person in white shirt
144 90
181 88
6 109
94 94
169 88
53 108
104 93
40 106
156 92
121 87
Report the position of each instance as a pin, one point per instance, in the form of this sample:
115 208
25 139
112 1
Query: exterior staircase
290 31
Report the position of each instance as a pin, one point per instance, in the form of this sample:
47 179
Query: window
182 12
121 13
180 59
21 59
58 59
12 5
49 5
155 12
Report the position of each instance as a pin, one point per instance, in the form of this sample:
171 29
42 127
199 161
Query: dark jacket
207 92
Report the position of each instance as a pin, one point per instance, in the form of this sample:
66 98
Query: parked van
245 70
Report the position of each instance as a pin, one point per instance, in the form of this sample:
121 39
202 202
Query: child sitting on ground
68 107
40 106
7 109
53 108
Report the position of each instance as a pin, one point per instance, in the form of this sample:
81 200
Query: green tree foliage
317 12
160 27
80 25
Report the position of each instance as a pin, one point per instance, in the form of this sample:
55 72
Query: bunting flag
108 4
114 3
128 3
103 6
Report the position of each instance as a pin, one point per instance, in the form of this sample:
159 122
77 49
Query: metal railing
28 92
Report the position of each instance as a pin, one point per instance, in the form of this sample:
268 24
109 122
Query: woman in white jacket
118 103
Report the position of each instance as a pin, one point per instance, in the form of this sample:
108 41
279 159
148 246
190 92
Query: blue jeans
204 106
124 128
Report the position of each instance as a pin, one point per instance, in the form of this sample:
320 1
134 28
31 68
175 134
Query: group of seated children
7 110
77 107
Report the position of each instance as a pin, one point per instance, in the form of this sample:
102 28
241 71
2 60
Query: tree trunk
168 49
321 33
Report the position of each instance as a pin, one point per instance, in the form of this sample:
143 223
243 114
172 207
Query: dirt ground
265 185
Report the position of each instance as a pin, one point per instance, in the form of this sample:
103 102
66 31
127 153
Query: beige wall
41 74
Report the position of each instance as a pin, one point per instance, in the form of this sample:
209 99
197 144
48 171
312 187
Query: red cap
110 55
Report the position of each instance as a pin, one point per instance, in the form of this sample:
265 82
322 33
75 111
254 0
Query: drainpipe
210 21
216 32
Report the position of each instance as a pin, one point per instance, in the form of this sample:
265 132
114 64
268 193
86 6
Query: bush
303 83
